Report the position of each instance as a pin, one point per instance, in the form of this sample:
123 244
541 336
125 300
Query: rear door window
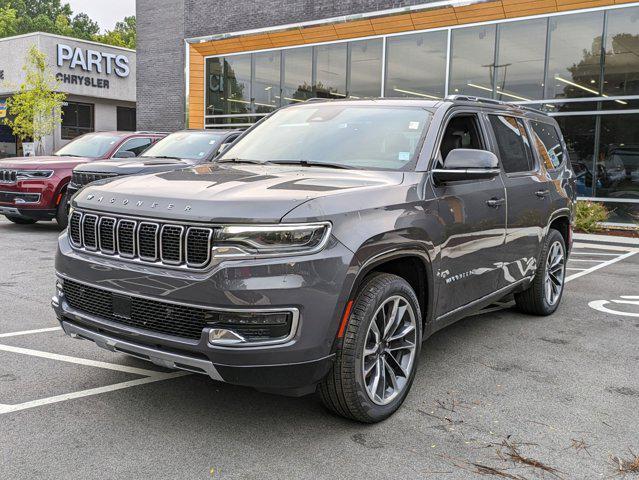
512 143
548 144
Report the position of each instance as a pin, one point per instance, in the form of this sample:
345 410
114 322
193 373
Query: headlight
34 174
270 240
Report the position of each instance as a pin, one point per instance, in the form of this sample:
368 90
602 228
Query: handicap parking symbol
609 306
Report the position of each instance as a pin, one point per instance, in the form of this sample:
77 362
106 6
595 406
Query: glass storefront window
579 134
266 81
520 63
298 75
622 52
416 65
618 158
574 63
229 85
365 68
473 61
330 71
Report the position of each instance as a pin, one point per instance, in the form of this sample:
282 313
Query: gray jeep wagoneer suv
323 247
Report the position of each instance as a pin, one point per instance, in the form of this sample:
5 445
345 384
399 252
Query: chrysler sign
92 61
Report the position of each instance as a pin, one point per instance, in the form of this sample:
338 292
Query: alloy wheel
555 270
389 350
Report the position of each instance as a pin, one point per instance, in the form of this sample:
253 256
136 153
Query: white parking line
585 260
28 332
599 266
594 253
158 377
78 361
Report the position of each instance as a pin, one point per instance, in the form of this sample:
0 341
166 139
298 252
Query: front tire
543 296
375 364
62 213
20 220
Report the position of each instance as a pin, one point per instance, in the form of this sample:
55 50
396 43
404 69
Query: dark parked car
178 150
35 188
323 247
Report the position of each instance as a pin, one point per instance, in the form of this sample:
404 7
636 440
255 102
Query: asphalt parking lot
500 395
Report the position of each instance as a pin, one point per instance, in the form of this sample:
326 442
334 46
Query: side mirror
467 164
124 154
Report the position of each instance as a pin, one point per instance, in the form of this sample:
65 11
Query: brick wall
164 24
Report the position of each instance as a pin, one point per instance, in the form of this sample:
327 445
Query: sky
105 12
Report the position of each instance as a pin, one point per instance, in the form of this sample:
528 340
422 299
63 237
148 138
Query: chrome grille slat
90 232
144 241
126 238
8 176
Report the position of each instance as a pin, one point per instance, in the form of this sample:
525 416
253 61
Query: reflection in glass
416 65
266 81
575 55
579 134
473 60
365 68
331 71
298 73
622 52
520 66
229 85
618 160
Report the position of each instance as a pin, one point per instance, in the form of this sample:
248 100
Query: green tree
123 35
83 27
36 109
8 21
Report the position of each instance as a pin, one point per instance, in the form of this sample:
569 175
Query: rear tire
381 341
20 220
543 296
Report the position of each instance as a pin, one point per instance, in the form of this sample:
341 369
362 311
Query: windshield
355 136
185 145
91 145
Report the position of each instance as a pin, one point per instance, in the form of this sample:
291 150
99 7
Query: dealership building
204 66
98 79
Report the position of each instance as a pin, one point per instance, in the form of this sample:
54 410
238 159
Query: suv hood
227 193
39 163
130 166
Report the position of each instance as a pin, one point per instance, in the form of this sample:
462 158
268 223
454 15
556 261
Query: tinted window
574 63
135 146
520 66
512 142
330 71
77 119
622 52
365 68
266 81
416 65
126 119
473 57
461 132
298 72
548 144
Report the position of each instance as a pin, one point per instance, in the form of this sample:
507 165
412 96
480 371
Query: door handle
542 193
495 202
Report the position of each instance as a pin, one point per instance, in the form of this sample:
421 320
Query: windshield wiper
312 163
244 160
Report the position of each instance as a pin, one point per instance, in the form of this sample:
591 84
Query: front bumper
313 285
32 199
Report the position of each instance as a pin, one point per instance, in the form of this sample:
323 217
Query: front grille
145 241
170 319
8 176
84 178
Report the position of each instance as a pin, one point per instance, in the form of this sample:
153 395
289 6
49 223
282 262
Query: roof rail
317 99
492 101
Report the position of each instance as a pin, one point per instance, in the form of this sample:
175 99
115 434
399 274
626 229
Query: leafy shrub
588 215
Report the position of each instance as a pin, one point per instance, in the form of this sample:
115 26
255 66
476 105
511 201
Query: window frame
495 145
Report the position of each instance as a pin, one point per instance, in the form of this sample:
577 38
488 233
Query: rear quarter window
547 142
